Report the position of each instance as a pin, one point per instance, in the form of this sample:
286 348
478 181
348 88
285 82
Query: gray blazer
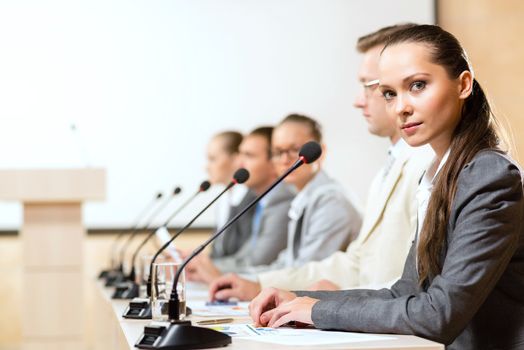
271 236
321 221
477 302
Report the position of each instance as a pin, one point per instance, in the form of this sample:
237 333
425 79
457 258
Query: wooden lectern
52 238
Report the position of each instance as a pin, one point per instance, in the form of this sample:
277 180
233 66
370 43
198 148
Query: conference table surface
130 331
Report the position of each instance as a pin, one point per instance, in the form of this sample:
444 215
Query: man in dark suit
262 231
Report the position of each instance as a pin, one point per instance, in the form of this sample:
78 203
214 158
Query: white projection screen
147 83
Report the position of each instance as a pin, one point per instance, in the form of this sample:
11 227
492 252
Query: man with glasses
321 218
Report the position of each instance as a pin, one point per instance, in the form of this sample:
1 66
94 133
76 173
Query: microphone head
241 176
176 191
310 152
158 195
204 186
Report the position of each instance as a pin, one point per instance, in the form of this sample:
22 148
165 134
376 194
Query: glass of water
163 273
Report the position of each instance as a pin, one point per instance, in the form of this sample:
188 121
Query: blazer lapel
380 193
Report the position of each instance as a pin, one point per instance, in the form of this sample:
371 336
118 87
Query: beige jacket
377 256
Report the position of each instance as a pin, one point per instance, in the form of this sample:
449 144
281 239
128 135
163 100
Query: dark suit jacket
477 302
238 233
271 237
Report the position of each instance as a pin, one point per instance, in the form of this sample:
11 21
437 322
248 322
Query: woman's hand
297 310
267 300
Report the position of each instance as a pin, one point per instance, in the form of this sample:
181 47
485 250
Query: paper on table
297 337
237 330
199 308
163 236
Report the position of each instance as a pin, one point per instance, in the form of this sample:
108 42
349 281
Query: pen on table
216 321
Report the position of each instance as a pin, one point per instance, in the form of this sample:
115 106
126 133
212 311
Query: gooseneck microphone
129 289
309 152
148 222
181 334
113 265
140 308
204 186
80 144
240 176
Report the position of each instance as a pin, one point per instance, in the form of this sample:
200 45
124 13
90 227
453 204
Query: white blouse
425 187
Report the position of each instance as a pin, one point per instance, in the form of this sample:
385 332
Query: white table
115 332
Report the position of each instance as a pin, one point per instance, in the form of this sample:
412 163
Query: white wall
148 83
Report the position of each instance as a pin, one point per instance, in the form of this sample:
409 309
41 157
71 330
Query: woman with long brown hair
463 280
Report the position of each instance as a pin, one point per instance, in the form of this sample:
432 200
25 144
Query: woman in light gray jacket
463 279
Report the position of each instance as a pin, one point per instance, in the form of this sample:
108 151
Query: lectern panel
53 305
53 235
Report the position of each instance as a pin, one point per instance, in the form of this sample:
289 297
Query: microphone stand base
114 277
140 309
103 274
126 290
181 335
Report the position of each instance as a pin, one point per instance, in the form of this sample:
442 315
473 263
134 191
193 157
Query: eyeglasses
277 154
370 86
